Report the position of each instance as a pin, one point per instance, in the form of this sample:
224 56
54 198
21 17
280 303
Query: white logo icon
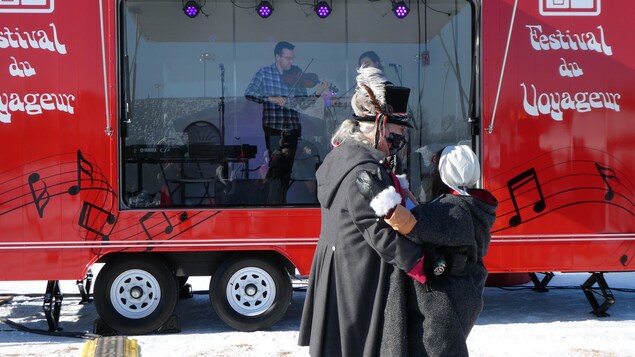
27 6
569 7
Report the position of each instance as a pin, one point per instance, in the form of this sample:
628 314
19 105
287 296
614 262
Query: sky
516 321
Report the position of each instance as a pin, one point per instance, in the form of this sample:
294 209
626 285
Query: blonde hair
351 129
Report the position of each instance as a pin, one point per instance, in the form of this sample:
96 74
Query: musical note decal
516 183
168 225
624 260
94 219
40 196
607 173
85 167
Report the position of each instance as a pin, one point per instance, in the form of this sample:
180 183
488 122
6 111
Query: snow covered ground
515 322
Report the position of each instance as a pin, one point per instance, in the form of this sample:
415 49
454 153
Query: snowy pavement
515 322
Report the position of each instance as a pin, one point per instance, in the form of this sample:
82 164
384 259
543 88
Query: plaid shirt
268 83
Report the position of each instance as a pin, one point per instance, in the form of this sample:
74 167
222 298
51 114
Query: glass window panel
193 139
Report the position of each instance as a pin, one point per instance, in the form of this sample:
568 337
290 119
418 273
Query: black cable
425 3
560 287
243 7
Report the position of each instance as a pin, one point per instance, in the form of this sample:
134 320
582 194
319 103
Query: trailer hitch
599 310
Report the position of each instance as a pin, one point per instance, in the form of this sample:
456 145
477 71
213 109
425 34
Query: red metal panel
52 132
558 142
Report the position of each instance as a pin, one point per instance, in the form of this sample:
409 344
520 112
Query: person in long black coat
357 252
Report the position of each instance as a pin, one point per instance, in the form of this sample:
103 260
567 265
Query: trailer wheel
135 296
250 294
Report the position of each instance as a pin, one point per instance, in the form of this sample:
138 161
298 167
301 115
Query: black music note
41 198
168 228
624 260
606 176
518 182
83 166
97 222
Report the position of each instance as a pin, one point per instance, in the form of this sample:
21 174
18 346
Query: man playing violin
280 119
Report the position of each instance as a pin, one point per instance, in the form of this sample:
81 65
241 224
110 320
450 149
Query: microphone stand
221 105
221 118
398 74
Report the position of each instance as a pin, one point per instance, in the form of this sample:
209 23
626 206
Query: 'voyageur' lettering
555 103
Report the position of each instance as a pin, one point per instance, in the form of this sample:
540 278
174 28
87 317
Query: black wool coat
354 259
435 319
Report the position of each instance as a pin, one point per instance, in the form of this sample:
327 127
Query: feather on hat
375 95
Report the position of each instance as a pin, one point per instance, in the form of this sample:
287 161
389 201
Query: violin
295 76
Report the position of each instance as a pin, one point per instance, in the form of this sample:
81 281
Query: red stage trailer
127 140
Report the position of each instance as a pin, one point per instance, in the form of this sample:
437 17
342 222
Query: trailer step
111 346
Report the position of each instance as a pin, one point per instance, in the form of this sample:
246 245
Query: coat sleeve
401 253
442 223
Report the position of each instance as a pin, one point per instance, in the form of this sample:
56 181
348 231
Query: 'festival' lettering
37 39
567 41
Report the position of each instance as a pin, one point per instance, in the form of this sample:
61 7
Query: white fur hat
459 168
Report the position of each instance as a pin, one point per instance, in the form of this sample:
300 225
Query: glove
401 220
445 261
383 197
435 263
457 260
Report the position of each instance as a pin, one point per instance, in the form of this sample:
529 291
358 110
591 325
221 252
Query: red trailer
127 140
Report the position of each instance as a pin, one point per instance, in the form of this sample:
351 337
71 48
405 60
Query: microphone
394 65
222 67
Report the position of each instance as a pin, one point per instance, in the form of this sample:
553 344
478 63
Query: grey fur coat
435 319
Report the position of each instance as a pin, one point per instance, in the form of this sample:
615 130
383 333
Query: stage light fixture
400 9
322 9
191 9
264 9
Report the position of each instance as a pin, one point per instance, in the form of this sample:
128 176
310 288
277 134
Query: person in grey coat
357 252
435 318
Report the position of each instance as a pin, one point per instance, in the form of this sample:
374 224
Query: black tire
145 276
250 294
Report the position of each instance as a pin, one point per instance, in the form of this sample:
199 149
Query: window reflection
195 140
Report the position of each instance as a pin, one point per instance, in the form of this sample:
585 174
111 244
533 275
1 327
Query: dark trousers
281 145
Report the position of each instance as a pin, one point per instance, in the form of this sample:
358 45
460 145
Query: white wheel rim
135 294
251 291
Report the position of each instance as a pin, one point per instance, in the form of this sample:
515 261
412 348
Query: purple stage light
264 9
400 9
191 9
322 9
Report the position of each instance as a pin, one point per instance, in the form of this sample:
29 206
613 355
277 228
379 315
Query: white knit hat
459 168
